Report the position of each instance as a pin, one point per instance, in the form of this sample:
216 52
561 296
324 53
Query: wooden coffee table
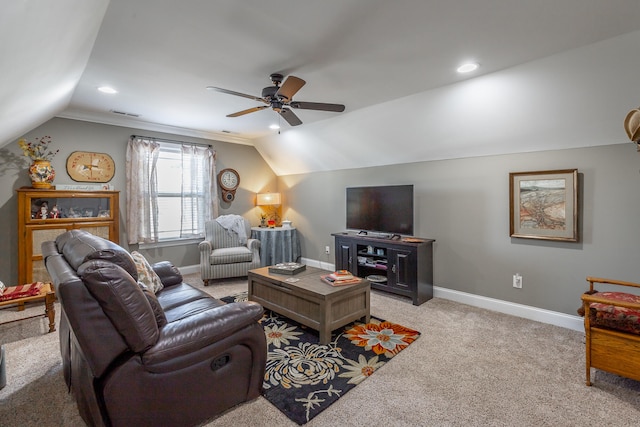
309 300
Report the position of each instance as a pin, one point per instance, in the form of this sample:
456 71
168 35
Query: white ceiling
383 60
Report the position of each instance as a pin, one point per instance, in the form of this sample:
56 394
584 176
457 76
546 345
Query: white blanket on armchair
234 223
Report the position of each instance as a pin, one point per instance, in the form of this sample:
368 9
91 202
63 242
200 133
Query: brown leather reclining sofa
131 361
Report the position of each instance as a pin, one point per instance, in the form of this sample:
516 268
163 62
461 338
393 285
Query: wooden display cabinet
94 211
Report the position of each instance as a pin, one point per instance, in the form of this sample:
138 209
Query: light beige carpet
471 367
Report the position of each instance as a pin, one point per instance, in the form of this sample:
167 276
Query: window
171 189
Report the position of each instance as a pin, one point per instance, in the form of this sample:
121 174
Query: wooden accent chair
612 329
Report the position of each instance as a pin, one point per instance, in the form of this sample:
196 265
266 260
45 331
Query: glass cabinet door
44 208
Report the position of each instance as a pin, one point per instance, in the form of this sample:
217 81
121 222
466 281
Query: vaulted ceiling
553 73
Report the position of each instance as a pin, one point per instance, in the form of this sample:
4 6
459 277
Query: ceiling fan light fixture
274 126
468 67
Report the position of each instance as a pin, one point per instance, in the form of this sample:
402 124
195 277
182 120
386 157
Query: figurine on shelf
55 213
44 211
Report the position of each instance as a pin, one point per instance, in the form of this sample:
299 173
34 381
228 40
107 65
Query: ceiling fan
280 97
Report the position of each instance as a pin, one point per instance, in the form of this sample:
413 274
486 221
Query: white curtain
199 189
142 190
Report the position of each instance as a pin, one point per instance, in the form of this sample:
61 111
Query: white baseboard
563 320
190 269
318 264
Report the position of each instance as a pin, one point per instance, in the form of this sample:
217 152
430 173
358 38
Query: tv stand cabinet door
401 274
344 255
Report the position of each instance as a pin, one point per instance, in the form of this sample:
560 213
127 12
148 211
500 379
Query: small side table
47 294
277 244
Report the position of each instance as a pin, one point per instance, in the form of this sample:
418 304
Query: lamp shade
267 199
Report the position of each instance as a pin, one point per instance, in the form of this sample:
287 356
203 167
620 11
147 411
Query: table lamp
271 201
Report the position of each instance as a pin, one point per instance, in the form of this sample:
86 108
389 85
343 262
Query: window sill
169 243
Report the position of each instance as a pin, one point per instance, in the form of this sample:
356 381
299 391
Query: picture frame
544 205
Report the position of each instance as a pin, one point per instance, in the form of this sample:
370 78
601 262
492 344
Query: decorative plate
376 278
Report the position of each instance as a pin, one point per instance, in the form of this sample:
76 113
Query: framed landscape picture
544 205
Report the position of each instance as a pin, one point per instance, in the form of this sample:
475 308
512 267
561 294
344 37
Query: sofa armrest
205 247
168 273
253 244
180 341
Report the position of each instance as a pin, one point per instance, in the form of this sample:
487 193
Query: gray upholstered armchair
227 249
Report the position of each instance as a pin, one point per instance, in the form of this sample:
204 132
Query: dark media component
384 209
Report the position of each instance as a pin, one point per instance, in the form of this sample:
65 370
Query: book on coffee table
287 268
341 275
339 282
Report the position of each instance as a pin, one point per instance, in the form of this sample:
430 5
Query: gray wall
464 205
73 135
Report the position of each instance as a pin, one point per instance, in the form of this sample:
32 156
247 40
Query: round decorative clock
85 166
228 180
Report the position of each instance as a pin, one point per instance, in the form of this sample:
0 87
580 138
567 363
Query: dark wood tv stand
404 265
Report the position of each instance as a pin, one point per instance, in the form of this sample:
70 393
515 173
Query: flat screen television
382 209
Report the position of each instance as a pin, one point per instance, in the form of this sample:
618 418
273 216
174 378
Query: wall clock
85 166
228 180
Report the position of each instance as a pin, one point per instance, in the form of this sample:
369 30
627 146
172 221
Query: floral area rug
303 378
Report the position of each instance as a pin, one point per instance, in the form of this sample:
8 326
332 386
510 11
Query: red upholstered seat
615 317
21 291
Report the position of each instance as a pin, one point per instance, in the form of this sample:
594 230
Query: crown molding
139 124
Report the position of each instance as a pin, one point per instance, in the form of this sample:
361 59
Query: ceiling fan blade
338 108
290 117
290 87
230 92
250 110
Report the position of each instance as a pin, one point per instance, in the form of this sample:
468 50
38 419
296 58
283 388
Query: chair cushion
123 301
183 300
614 317
20 291
230 255
223 238
80 246
158 312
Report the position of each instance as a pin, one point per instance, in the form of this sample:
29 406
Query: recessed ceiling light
468 67
274 127
107 89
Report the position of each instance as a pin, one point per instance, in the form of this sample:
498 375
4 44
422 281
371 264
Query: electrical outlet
327 250
517 281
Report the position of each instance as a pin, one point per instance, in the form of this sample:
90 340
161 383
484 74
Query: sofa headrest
79 246
123 301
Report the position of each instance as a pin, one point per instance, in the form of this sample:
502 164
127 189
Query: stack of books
340 278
